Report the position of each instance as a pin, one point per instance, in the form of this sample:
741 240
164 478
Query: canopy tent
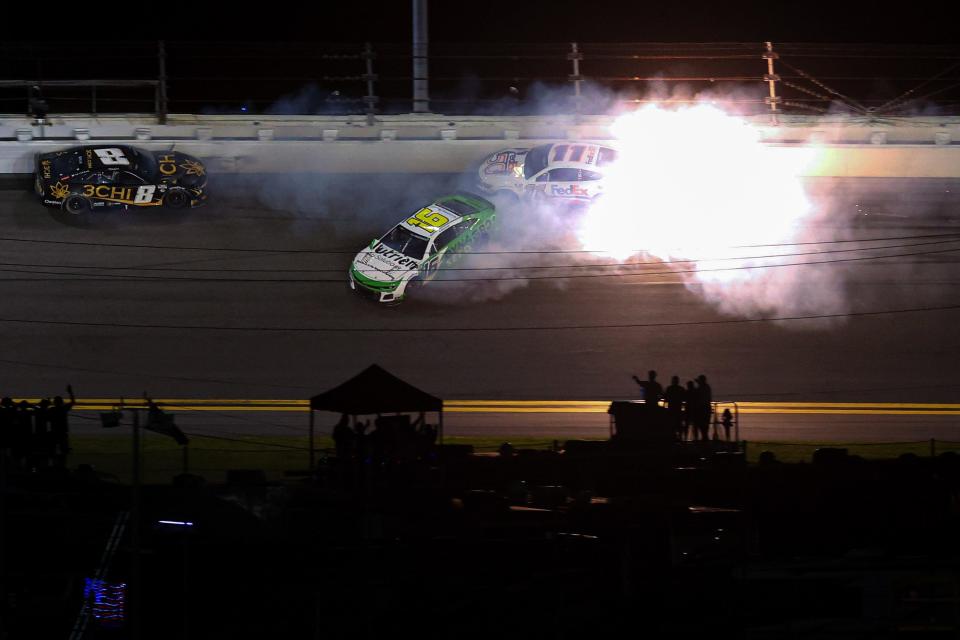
375 391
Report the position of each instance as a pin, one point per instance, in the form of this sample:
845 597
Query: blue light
107 600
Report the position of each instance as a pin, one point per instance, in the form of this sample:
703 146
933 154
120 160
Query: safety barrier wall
907 148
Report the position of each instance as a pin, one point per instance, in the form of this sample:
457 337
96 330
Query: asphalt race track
248 298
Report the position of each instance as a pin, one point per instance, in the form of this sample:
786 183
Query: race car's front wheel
176 199
413 285
76 204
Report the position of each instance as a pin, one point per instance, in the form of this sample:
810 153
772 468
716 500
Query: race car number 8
112 157
144 194
429 220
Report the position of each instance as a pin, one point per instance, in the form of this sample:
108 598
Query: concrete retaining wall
908 148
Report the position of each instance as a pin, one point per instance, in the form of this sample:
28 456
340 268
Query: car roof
79 153
454 208
452 219
580 164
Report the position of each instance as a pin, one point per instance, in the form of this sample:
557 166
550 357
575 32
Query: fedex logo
573 190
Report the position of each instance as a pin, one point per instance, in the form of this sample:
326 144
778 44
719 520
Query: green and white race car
411 253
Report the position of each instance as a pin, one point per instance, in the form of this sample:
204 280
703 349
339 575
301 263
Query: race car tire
176 199
413 285
76 204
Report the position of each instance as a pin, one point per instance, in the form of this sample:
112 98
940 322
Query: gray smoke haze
351 210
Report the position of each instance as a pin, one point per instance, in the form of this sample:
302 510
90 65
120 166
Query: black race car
79 178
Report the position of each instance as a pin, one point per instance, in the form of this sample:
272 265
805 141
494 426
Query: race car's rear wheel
76 204
176 199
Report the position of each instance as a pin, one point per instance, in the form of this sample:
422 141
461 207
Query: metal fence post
421 74
771 79
575 56
370 99
162 83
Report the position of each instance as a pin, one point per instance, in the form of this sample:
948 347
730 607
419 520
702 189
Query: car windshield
406 242
536 160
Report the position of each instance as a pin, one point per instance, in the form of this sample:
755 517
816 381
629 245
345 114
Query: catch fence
301 78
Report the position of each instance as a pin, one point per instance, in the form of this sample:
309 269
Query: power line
354 251
339 269
107 277
435 330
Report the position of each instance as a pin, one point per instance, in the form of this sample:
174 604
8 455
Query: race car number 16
428 220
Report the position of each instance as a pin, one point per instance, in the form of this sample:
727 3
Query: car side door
442 244
140 192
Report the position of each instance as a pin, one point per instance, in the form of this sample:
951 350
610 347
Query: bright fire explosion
697 184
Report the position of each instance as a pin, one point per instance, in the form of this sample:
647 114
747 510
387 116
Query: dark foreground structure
640 535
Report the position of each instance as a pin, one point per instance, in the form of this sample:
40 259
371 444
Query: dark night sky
530 21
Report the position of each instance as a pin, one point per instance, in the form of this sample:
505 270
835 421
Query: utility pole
162 87
575 57
421 74
771 78
370 99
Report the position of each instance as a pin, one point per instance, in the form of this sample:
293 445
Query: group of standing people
689 409
394 438
35 436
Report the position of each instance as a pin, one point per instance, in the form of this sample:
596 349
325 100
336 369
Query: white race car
568 171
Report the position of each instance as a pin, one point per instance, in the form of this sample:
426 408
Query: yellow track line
532 406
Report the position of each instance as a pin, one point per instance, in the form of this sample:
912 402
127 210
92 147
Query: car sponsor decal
168 164
59 191
502 163
572 190
142 195
193 168
394 257
46 168
428 220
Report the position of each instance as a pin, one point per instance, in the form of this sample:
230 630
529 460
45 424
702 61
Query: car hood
383 264
503 166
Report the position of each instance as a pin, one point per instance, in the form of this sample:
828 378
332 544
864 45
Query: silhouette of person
674 397
362 439
727 421
690 411
704 407
60 428
22 434
41 449
652 391
343 438
8 418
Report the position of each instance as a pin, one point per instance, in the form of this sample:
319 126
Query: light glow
695 184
